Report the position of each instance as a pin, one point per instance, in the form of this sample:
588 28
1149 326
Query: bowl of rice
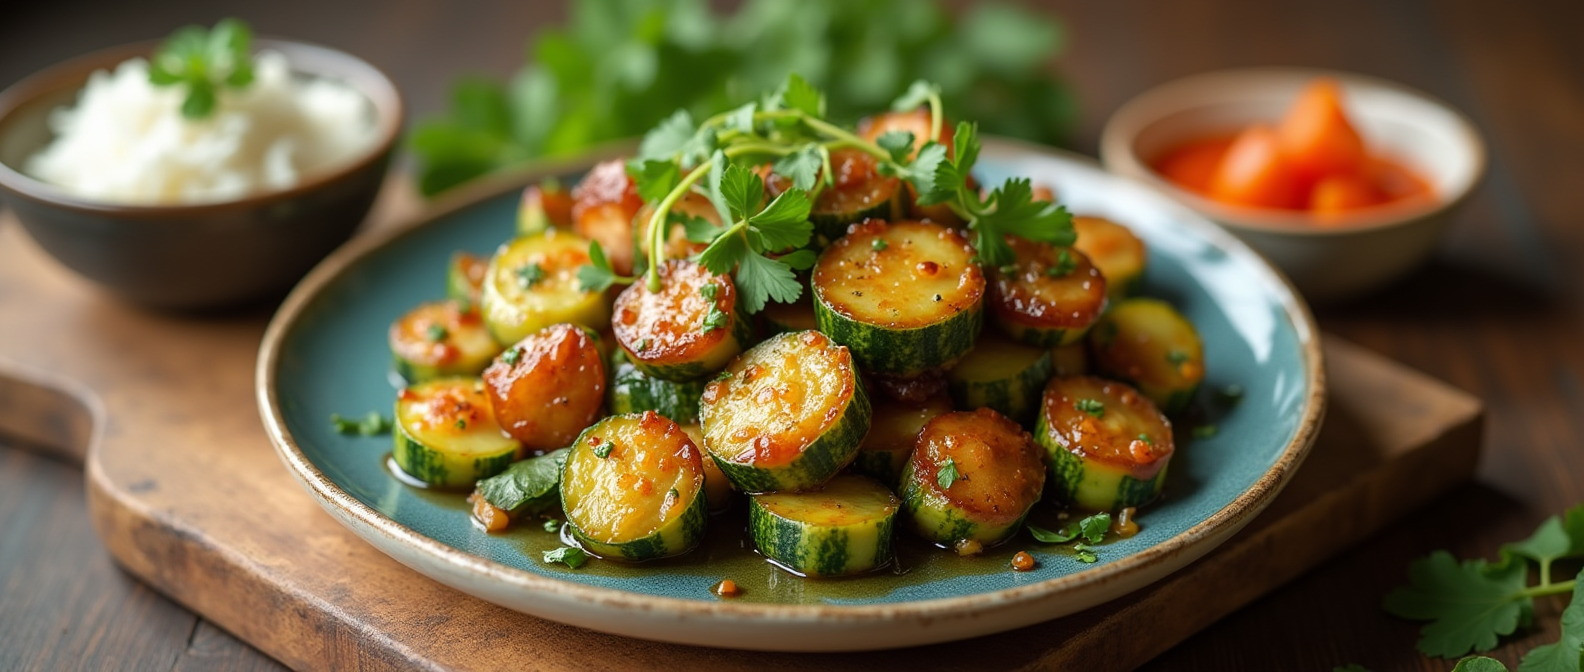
109 175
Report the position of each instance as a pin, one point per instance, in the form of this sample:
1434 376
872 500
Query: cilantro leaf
799 260
654 179
715 319
698 229
742 118
1094 527
723 254
1017 213
1567 654
965 148
802 166
372 424
668 138
743 191
918 93
760 279
204 61
527 486
783 224
568 555
934 175
947 474
1480 664
596 276
1468 605
798 94
899 144
1040 534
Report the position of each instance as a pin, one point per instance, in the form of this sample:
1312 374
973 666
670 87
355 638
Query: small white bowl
1326 262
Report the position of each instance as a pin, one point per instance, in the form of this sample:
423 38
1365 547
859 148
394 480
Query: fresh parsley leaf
965 148
761 279
1094 527
716 319
1093 407
918 93
654 179
667 139
927 176
799 260
879 245
530 275
603 448
1085 554
947 474
204 61
552 525
1549 542
1567 654
1469 605
723 255
700 230
798 94
1480 664
596 276
527 486
1040 534
436 333
1017 213
784 223
512 356
802 166
899 144
461 424
372 424
1064 264
743 191
709 291
570 556
742 118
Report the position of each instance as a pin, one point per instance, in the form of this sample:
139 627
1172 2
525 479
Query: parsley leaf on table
1479 664
1469 604
568 555
1566 655
1548 543
1094 527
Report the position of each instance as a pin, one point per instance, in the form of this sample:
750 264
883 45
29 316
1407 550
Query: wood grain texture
1498 313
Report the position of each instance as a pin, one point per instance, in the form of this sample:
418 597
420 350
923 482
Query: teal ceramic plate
325 353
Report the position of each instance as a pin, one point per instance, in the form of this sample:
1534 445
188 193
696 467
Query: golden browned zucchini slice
548 387
532 283
1148 343
1108 445
687 330
1114 249
441 339
972 478
446 434
892 433
603 206
1048 297
633 488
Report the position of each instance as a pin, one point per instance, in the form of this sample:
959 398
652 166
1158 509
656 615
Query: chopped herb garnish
1064 264
530 275
567 555
603 448
947 474
597 276
552 525
372 424
1145 438
879 245
1068 533
716 319
1230 395
1091 406
204 62
1085 554
461 424
723 376
512 356
1177 357
1205 431
1094 527
673 495
436 333
643 344
709 291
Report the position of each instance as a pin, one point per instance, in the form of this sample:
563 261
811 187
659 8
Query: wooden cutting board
188 495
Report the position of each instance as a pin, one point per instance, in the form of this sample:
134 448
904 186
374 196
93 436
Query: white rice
127 142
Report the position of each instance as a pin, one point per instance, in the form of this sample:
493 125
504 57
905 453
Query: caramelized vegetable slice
548 387
437 340
544 206
465 279
972 478
906 297
717 488
1108 446
532 283
1114 250
1149 344
892 433
1049 296
687 330
787 415
1002 375
603 206
446 434
633 489
841 529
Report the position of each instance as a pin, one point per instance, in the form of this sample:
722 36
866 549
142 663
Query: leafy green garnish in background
620 67
1471 604
204 61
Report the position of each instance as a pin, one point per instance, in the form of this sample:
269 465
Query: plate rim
1232 516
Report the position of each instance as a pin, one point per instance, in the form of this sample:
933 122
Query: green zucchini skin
893 429
1048 297
465 279
673 536
465 349
906 297
1003 375
842 529
1105 462
633 391
446 455
780 318
1148 344
1119 254
514 307
1013 478
822 366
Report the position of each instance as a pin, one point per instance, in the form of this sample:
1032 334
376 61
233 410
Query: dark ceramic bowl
202 255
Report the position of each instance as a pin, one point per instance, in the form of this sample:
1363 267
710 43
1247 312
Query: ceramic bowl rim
1119 153
72 74
1231 516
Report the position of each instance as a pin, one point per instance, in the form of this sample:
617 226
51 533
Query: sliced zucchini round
687 330
1150 345
633 391
841 529
1049 296
465 279
783 317
905 297
548 387
917 122
1108 445
892 432
544 206
910 389
860 192
532 283
632 488
1001 374
972 478
1070 360
789 415
717 489
1114 249
603 206
437 340
446 434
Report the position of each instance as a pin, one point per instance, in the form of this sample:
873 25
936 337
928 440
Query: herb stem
758 148
937 116
847 137
657 221
1546 589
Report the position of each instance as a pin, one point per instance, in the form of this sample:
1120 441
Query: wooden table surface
1497 313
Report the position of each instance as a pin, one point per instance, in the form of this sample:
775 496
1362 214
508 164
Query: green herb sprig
1092 530
204 62
372 424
